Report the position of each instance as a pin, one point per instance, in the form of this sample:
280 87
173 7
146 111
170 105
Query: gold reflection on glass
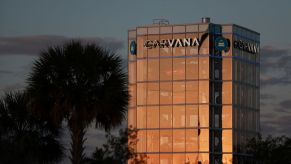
227 93
191 91
204 158
132 72
153 70
204 115
178 69
179 140
141 70
192 140
153 159
227 158
132 93
166 93
191 68
227 69
179 92
166 158
141 117
203 67
226 116
153 117
179 116
166 143
141 50
166 116
203 91
227 141
191 158
165 69
192 116
153 93
153 141
204 140
178 158
131 117
141 143
141 92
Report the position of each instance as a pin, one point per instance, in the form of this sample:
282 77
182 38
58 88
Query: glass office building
194 91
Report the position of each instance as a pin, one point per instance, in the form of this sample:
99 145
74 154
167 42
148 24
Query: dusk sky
29 26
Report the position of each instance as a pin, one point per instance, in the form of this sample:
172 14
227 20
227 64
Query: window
141 92
204 115
153 93
166 93
203 67
166 69
226 116
191 91
191 68
141 70
152 117
227 93
166 141
227 141
166 158
204 140
178 92
131 117
132 72
153 141
132 93
141 143
178 68
191 116
166 116
179 140
179 116
191 140
203 91
141 50
153 70
141 117
178 158
227 69
153 158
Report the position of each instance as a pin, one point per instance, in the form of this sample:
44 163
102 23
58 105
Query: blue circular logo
132 48
221 44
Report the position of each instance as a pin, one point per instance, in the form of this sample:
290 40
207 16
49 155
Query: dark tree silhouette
79 84
118 149
24 138
271 150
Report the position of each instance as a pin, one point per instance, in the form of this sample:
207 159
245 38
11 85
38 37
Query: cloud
266 96
275 66
286 104
32 45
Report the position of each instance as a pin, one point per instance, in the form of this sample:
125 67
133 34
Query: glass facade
194 104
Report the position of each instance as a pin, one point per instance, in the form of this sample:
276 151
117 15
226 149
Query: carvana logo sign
221 44
132 48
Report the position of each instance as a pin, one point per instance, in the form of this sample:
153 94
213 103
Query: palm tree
79 84
23 137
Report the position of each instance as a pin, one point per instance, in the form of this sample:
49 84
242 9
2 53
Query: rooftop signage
246 46
221 44
184 42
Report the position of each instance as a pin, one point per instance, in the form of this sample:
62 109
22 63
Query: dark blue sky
27 26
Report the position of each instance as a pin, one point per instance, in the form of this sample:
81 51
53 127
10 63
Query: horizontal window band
188 152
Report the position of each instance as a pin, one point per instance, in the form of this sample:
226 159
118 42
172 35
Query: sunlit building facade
194 91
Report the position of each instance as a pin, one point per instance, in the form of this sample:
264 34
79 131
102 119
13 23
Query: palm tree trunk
77 131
